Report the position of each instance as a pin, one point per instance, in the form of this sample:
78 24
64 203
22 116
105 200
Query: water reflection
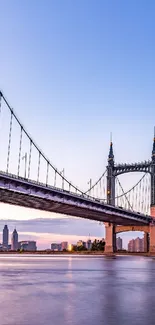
76 290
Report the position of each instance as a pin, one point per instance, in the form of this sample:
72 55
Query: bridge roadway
23 192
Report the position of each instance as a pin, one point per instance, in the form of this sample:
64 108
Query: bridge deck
22 192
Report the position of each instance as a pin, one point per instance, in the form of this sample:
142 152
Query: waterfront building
119 243
79 243
139 245
14 240
131 245
5 237
27 245
64 245
84 244
89 244
70 247
136 245
55 247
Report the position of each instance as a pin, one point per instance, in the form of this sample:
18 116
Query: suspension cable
124 194
35 145
95 183
132 187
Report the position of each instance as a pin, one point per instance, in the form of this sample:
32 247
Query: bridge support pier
152 240
146 242
110 238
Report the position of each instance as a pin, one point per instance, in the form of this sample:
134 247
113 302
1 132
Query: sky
74 71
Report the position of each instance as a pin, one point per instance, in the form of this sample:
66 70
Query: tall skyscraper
14 240
119 243
5 236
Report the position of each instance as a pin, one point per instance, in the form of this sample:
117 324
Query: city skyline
134 245
45 231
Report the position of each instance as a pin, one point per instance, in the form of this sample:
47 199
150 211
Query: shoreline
84 253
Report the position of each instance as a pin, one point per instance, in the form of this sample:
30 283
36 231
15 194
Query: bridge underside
34 202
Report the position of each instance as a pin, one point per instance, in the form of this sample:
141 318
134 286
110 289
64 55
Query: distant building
131 245
136 245
27 246
9 247
56 247
14 240
84 244
70 247
5 237
119 243
89 244
139 245
64 245
1 247
79 243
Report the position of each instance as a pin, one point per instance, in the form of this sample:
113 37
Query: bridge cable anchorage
20 148
32 143
9 144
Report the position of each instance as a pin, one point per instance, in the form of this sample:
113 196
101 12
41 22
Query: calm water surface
42 290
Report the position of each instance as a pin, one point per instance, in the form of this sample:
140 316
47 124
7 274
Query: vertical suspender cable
47 172
55 176
30 153
9 144
140 186
38 168
20 148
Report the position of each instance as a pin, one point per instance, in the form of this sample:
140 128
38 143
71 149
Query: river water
72 290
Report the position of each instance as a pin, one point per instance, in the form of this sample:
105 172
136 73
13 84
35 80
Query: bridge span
38 184
27 193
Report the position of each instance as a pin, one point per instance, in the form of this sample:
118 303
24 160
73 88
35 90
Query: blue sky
76 70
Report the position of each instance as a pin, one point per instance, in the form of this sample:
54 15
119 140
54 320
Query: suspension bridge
40 185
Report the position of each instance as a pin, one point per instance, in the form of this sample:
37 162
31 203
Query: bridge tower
110 236
110 177
152 208
112 172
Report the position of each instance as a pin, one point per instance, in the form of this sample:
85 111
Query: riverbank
86 253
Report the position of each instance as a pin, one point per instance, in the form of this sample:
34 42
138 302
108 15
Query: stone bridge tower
152 209
115 170
110 228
